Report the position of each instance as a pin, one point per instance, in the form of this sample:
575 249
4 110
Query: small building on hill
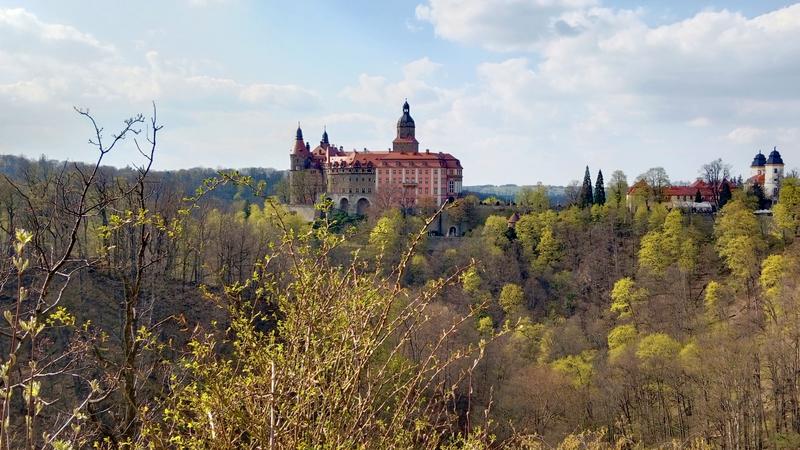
768 173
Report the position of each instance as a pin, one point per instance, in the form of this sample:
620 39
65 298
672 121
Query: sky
521 91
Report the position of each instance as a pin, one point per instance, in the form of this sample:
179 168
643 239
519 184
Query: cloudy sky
520 90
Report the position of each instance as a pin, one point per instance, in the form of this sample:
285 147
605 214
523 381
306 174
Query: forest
146 309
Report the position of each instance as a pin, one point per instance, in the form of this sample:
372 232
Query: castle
355 180
768 172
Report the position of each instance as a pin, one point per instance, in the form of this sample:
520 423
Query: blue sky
520 90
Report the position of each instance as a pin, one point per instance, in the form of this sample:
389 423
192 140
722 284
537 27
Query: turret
757 166
324 142
773 174
406 140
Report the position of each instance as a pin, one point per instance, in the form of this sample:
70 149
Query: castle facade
355 180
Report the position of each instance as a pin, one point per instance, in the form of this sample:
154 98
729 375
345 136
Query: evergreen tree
586 199
758 192
698 197
725 194
599 189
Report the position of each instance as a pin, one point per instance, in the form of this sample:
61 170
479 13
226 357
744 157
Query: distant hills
186 180
508 192
15 167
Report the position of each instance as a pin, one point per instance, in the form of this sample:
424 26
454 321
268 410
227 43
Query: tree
587 199
656 182
625 296
618 187
757 191
698 197
739 241
548 250
725 194
714 174
511 298
787 211
533 199
599 189
572 192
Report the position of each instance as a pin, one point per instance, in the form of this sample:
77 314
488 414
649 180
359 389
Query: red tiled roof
756 179
386 158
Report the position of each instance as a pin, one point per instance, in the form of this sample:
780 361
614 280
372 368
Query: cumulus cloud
745 135
42 80
20 20
416 83
502 25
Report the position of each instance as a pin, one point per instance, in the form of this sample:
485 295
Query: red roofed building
355 180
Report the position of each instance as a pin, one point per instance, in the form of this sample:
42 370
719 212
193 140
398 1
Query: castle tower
406 140
324 143
773 174
757 166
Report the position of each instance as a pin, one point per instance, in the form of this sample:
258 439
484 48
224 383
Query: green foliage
667 245
548 251
511 298
618 188
579 368
533 198
787 211
494 231
657 349
300 384
586 196
625 297
739 240
619 338
599 190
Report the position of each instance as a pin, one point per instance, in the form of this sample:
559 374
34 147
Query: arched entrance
362 205
452 232
344 204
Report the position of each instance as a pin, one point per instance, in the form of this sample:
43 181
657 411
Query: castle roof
405 120
775 157
759 160
388 159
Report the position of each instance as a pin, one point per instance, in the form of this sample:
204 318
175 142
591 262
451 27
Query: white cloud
699 122
745 135
18 19
415 85
502 25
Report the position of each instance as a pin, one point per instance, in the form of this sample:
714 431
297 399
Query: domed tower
773 174
757 166
406 140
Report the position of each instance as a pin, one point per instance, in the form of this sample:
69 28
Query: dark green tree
599 189
725 194
698 197
758 192
586 199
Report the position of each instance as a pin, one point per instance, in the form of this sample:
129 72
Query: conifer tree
586 199
698 197
725 194
599 189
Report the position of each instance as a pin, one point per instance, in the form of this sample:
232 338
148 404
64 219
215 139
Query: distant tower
299 160
773 174
757 167
324 143
406 140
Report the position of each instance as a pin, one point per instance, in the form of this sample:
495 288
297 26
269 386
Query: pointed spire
299 136
324 140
